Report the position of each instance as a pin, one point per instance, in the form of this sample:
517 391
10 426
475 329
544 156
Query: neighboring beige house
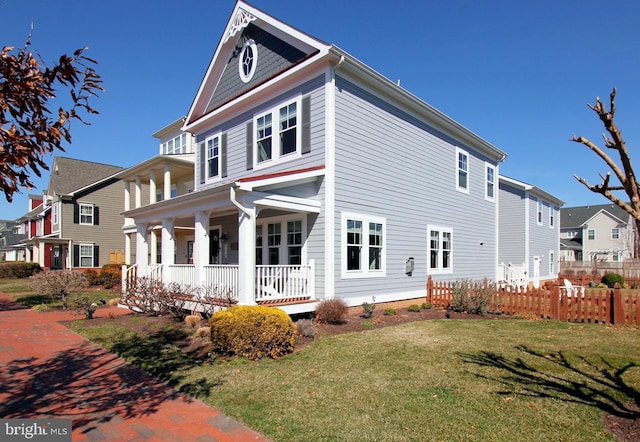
80 218
602 233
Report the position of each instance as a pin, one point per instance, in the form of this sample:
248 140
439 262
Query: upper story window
591 234
615 233
462 167
55 213
277 134
539 213
213 157
490 185
440 249
248 60
175 145
86 213
363 250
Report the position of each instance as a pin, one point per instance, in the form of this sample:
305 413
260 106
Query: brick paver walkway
48 371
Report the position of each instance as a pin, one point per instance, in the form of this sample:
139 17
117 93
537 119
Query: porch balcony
290 287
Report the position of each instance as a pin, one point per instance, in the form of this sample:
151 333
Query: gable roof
576 217
312 56
69 175
534 190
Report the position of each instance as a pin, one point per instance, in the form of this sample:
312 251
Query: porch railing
183 274
286 282
222 278
514 276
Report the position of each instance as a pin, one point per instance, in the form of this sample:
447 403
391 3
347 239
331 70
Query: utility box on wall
409 266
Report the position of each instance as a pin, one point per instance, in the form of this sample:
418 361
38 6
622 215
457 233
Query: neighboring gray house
80 221
604 233
10 235
315 177
529 233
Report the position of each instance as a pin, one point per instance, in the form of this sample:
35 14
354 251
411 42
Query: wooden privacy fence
606 306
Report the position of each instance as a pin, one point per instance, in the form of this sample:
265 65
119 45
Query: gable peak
238 23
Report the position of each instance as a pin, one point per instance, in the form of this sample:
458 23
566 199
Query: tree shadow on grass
91 386
601 384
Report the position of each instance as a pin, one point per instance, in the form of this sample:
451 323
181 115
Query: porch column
167 181
201 247
142 249
153 247
127 249
168 242
138 192
247 256
152 187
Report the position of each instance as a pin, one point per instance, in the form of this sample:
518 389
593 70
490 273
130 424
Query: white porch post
127 249
201 246
153 247
167 182
138 192
142 249
168 242
152 187
247 255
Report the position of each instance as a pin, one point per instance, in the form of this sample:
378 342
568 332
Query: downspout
235 202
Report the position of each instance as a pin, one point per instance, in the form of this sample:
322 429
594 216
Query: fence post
429 289
617 309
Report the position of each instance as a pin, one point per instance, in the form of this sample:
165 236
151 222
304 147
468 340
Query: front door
214 246
56 258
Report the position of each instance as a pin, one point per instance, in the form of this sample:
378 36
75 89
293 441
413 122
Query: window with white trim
55 213
279 143
552 213
213 157
248 60
615 257
176 145
363 246
273 248
552 259
591 234
440 249
462 168
259 245
86 213
86 255
490 184
539 212
294 242
615 233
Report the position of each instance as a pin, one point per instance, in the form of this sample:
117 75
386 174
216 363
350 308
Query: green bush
19 269
331 311
414 308
610 279
253 332
426 306
390 311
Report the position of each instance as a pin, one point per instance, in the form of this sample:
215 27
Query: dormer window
248 60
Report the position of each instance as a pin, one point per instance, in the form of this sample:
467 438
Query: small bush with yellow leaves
253 332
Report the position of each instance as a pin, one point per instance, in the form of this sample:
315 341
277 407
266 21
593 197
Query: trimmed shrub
331 311
253 332
472 296
192 320
92 277
390 311
414 308
110 275
426 306
19 269
203 332
610 279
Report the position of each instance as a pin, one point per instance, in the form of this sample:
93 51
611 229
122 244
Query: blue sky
517 73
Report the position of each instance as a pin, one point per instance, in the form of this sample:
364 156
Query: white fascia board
289 203
605 212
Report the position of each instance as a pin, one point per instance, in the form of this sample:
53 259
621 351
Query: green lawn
432 380
19 289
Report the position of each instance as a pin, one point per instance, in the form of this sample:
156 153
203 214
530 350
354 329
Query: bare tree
28 129
621 167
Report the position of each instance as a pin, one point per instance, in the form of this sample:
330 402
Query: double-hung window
280 241
363 250
591 234
539 212
55 213
86 214
440 249
86 255
615 233
213 157
490 186
277 134
552 213
462 168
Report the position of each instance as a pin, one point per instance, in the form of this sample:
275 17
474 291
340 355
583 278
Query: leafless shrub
57 284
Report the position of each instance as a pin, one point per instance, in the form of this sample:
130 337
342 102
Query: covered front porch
235 241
